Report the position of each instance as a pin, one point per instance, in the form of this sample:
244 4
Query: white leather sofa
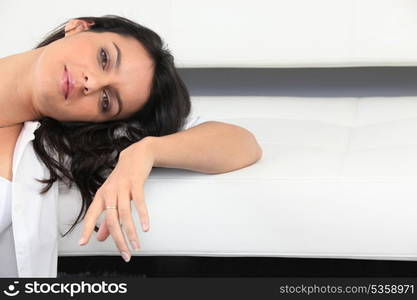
338 175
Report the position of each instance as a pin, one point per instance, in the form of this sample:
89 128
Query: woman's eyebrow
118 56
117 65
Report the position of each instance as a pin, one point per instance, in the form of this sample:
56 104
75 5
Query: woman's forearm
211 147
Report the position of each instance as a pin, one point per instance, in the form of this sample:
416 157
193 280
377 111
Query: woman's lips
66 84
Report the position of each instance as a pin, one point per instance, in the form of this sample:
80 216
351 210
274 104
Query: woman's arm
211 147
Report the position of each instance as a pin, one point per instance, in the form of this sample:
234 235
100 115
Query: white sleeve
193 121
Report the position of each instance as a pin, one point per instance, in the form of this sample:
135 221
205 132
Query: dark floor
180 266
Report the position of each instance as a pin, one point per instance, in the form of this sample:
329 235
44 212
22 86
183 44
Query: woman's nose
92 83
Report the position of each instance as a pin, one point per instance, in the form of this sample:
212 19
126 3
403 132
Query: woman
109 105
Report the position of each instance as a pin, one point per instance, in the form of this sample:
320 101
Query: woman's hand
125 183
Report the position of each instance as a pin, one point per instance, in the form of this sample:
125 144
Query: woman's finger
103 232
139 198
93 212
112 222
125 216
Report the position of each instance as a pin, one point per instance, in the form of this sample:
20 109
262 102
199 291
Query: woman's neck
16 86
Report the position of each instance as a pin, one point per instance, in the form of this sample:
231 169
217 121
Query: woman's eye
103 55
105 103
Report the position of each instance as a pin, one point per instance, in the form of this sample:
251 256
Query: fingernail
125 256
81 241
145 227
134 245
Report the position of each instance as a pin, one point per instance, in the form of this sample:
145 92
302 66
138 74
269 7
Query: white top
5 203
34 228
7 249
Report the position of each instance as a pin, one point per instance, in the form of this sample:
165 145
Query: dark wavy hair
85 153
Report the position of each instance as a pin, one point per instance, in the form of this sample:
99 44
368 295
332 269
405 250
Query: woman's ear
75 26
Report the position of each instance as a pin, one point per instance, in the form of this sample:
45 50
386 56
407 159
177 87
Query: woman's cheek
86 110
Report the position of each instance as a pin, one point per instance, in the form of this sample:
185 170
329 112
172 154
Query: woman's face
105 68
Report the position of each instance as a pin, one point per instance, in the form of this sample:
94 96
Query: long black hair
85 153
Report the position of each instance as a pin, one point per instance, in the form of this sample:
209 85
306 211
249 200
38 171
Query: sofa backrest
239 33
